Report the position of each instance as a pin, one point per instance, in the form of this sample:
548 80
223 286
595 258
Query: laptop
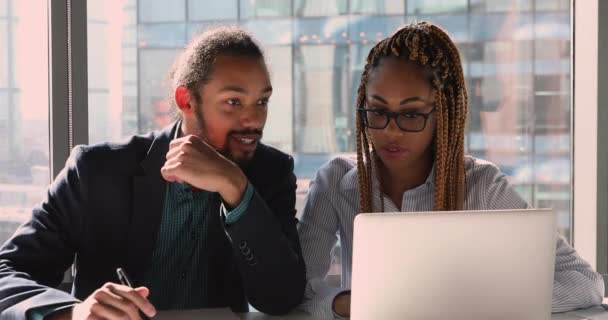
454 265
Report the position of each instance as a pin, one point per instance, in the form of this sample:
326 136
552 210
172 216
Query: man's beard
225 150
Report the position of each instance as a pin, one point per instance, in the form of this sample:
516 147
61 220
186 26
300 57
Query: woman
412 106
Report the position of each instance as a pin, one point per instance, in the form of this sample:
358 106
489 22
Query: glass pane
166 35
154 107
324 30
436 6
553 5
219 10
112 41
500 5
319 8
378 7
279 127
157 11
4 52
272 32
252 9
321 108
24 115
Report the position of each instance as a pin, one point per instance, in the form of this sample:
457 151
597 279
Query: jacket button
246 251
243 244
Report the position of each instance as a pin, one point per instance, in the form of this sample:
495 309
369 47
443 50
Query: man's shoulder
137 143
124 154
271 156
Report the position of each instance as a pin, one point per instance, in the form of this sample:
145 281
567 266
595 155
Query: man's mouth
246 140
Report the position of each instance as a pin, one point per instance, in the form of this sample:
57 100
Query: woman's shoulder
479 169
338 166
489 188
337 171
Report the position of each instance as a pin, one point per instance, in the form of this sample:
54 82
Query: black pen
122 276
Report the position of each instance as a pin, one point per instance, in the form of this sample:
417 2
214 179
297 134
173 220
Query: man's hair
194 66
430 48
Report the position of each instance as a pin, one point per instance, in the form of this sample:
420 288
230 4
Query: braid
431 48
363 172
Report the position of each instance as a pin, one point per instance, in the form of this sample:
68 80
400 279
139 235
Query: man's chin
242 159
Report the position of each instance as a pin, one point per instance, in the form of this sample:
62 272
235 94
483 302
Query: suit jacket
105 208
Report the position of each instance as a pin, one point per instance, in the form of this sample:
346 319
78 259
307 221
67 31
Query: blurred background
516 57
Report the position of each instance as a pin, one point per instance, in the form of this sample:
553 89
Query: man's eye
263 102
233 102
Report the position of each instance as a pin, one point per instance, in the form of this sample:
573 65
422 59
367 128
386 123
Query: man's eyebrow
234 88
243 90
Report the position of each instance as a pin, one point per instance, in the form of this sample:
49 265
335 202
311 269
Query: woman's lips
392 151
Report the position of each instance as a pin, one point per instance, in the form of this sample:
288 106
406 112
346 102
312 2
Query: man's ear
182 99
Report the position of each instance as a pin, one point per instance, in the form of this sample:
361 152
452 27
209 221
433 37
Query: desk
596 313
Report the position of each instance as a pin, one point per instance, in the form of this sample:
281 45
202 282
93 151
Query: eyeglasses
406 121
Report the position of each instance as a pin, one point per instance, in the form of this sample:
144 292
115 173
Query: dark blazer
105 208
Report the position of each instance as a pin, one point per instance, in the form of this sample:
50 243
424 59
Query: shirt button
183 275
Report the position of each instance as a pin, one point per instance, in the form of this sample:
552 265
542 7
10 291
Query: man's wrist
235 189
63 314
341 304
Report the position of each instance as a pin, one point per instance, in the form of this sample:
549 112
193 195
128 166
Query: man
199 215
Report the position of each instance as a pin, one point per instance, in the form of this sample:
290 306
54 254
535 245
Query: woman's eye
263 102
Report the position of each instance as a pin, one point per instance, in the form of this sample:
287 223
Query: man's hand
112 301
193 161
342 305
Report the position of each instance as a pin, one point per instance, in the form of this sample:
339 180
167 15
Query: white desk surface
597 313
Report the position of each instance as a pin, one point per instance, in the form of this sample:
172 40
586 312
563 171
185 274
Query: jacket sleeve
34 259
267 249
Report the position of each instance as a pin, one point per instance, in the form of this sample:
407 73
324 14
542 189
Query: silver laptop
454 265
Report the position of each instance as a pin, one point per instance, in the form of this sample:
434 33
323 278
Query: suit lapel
148 204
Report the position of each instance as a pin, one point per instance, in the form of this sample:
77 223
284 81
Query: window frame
68 82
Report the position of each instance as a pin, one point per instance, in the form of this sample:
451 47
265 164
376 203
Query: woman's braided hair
432 49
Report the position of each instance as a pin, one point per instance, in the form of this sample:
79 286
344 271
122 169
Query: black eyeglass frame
394 115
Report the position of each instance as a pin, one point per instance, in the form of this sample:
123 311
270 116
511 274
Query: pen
122 276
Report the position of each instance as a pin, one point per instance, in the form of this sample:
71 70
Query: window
436 6
501 5
24 115
520 109
159 11
316 8
220 10
381 7
320 101
254 9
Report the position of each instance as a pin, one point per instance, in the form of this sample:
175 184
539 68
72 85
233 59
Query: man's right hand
112 301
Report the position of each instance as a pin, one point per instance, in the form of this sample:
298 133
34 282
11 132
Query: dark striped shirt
177 277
